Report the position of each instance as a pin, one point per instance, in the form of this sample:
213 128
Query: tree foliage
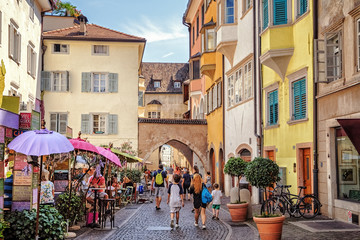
262 172
65 9
235 167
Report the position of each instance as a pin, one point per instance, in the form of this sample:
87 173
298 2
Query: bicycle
297 206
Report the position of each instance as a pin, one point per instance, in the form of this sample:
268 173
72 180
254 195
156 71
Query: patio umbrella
109 155
39 143
81 144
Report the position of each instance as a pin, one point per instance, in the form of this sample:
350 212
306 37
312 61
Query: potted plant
263 173
238 210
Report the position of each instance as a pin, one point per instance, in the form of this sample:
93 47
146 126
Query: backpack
206 196
159 180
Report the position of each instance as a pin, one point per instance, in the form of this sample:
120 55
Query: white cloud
168 54
154 32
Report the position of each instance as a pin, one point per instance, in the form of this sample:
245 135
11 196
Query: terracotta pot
238 212
269 228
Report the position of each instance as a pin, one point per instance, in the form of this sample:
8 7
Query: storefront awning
352 129
129 158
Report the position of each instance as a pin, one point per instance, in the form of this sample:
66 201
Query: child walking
216 194
175 200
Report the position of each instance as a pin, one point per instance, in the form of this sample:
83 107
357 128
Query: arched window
245 154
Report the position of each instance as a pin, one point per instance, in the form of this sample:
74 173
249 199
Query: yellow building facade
287 81
211 65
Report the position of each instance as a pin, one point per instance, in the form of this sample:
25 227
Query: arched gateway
187 135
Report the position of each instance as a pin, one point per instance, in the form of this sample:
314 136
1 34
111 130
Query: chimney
83 20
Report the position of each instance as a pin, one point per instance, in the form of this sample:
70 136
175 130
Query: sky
159 21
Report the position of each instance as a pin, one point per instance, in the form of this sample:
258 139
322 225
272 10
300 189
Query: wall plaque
21 179
22 193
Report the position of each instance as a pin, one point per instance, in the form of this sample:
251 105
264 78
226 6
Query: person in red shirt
96 181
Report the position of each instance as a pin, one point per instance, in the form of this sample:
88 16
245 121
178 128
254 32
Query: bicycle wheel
273 206
309 207
294 208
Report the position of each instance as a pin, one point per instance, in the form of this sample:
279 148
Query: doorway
306 170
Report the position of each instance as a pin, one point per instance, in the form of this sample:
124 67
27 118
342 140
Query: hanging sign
25 121
22 193
20 161
8 133
22 179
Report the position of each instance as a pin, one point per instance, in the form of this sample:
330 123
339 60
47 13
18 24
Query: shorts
100 195
216 206
186 188
159 191
197 205
175 209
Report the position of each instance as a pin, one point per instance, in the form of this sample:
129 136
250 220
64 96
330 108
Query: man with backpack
158 180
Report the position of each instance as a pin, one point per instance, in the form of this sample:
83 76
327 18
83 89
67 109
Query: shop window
348 168
58 122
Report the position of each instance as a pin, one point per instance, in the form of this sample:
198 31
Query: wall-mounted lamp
294 167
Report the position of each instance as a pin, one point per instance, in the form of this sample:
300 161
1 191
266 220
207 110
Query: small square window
61 48
101 50
157 84
177 84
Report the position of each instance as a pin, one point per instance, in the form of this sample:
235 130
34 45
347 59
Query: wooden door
271 155
307 170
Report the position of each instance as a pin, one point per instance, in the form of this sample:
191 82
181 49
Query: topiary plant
235 167
22 224
262 173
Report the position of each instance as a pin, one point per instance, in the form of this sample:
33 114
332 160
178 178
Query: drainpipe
223 107
315 89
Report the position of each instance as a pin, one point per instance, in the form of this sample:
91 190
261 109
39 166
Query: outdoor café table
96 190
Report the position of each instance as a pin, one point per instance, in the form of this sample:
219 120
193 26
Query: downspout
258 51
315 89
189 30
223 107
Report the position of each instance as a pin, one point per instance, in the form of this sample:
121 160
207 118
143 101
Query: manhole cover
326 226
158 228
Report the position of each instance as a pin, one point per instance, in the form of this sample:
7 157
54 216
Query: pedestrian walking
175 200
186 184
208 181
158 180
199 206
216 194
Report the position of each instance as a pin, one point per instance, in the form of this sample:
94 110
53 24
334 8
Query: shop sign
2 134
8 133
22 179
69 132
25 121
20 161
22 193
20 206
18 132
35 120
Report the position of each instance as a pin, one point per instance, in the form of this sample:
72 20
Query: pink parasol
109 155
81 144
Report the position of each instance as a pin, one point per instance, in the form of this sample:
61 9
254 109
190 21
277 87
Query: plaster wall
171 104
123 59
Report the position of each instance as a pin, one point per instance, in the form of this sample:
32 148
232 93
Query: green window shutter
113 82
86 82
85 123
273 108
299 99
113 124
303 7
265 12
280 12
45 81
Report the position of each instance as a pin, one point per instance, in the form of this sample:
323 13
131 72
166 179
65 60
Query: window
202 15
153 114
347 168
219 15
302 7
157 84
214 100
196 69
141 99
219 94
275 12
333 56
299 99
197 27
238 86
230 90
280 12
60 48
99 123
55 81
177 84
32 9
193 35
273 108
247 81
246 5
31 60
210 93
58 122
14 42
99 82
265 13
229 11
210 40
100 50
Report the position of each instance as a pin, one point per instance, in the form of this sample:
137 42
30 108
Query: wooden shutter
33 63
219 88
206 106
62 122
113 124
29 59
265 5
45 81
215 106
299 99
53 121
113 82
333 55
85 123
273 109
67 80
280 12
11 40
18 56
86 82
303 7
319 60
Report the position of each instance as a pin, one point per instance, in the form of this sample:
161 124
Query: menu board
35 180
60 185
20 161
22 193
61 175
20 206
22 179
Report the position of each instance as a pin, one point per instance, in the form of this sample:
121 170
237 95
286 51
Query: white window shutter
86 82
29 58
11 41
113 82
18 57
45 81
85 123
113 124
